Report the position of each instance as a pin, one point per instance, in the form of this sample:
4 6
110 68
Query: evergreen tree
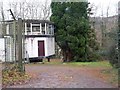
72 28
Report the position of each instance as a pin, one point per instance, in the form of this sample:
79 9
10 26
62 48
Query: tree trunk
64 55
67 56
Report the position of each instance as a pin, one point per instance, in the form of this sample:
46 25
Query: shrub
93 57
113 56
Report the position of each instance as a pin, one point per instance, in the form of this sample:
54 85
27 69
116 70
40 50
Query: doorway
41 48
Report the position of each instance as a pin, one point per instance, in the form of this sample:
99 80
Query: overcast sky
103 5
99 4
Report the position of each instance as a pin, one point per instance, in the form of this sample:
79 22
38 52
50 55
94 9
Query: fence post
19 40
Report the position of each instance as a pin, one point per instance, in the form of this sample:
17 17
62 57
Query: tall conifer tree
72 28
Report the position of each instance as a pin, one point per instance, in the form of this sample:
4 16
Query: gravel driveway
60 76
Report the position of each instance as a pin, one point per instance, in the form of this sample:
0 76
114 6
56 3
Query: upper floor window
43 29
36 29
39 28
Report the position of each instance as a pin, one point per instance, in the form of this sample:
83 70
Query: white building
39 40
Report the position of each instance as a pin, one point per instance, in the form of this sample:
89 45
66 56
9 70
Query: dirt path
59 76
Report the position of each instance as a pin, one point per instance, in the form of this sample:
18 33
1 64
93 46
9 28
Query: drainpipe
40 28
45 28
25 29
31 28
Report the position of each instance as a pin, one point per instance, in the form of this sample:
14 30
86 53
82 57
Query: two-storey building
38 37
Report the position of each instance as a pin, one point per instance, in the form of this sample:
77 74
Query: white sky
100 4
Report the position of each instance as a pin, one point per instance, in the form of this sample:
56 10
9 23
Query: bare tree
46 10
2 19
31 10
20 9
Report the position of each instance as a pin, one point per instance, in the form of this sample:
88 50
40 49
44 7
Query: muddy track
59 76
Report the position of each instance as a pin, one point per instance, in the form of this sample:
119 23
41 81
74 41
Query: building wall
2 49
9 49
32 46
1 29
50 45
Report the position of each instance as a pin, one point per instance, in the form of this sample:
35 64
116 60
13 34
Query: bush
93 57
113 56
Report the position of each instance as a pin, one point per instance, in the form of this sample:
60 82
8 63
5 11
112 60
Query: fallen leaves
13 77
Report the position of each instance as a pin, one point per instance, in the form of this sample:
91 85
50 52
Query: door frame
43 50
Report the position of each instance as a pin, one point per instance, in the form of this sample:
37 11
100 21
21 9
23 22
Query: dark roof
35 21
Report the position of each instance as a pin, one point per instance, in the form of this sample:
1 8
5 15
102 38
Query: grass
112 74
88 64
104 64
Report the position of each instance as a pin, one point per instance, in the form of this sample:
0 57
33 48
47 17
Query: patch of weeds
112 75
